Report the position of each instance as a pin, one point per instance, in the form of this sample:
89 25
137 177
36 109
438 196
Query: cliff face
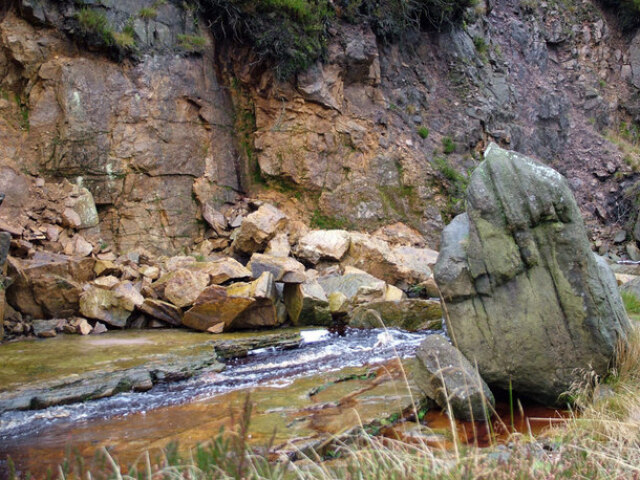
376 133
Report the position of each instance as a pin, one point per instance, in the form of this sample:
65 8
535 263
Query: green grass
631 302
423 132
148 13
94 22
191 43
448 145
325 222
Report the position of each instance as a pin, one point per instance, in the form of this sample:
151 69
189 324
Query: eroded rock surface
527 299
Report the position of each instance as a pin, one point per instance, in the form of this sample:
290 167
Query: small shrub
94 22
423 132
147 13
192 43
124 40
448 145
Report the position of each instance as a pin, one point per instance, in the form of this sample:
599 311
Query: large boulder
323 245
258 228
284 269
402 265
239 306
527 299
448 377
48 285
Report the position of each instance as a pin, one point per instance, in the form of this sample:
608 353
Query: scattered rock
184 286
105 305
223 270
80 211
214 311
286 270
527 299
163 311
450 379
258 228
307 304
48 285
323 245
47 328
99 328
279 246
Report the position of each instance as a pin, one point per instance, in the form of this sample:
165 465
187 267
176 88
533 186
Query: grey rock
527 299
450 379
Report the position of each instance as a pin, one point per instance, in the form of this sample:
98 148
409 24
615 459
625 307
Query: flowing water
301 397
194 410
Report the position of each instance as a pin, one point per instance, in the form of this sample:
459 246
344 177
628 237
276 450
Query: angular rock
357 286
393 294
283 269
258 228
214 310
411 314
450 379
128 295
338 303
81 210
107 282
150 272
184 286
48 285
223 270
527 299
307 304
163 311
101 304
47 328
323 245
402 266
262 312
279 246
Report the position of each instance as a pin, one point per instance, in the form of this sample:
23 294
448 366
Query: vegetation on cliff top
627 11
292 34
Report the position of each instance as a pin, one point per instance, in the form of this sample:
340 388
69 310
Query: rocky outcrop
449 378
527 299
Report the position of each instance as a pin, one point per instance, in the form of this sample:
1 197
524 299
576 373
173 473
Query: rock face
527 299
5 240
449 378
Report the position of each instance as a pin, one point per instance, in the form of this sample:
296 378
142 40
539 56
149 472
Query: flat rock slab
41 373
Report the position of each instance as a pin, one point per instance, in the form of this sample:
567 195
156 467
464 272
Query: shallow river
193 411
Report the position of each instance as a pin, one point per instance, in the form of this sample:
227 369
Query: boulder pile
270 271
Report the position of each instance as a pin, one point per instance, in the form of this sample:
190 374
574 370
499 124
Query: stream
283 385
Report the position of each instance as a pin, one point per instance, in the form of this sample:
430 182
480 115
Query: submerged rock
450 379
527 299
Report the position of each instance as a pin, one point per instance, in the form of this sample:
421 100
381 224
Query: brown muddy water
301 399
